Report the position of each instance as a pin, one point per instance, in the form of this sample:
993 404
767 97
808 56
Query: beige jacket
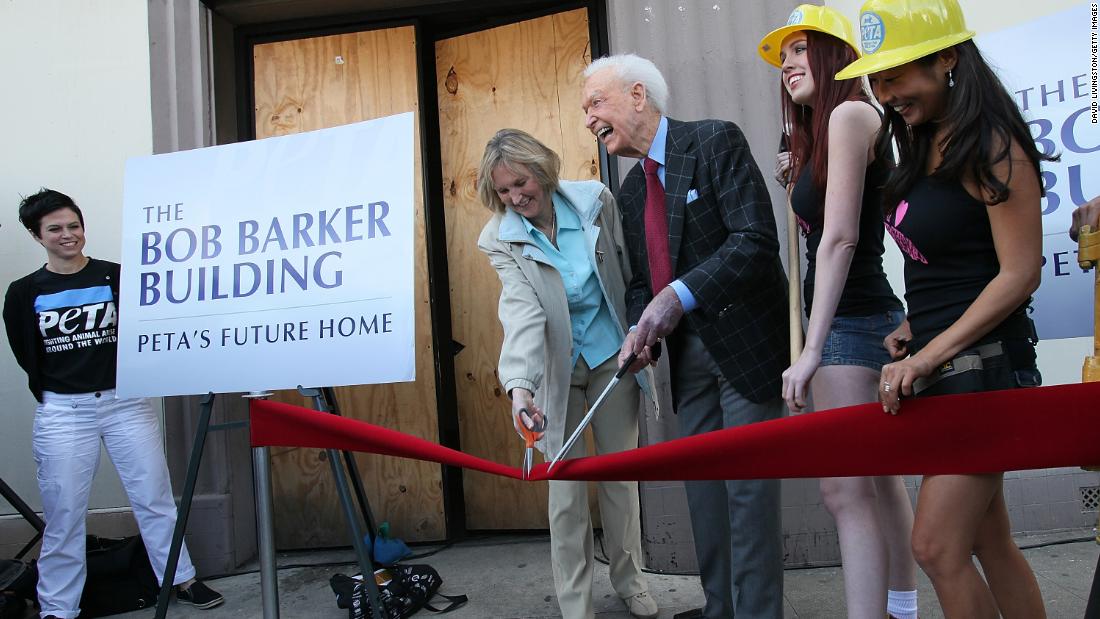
533 310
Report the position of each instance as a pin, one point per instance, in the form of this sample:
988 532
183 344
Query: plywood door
310 84
528 76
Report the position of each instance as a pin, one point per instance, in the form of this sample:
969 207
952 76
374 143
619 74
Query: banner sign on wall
1049 65
270 264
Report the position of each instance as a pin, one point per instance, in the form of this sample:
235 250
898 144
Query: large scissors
655 351
530 436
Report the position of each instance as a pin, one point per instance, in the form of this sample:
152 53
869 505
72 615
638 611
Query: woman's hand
897 380
897 343
524 410
783 168
796 380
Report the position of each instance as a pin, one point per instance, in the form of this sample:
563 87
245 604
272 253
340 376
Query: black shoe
199 596
689 614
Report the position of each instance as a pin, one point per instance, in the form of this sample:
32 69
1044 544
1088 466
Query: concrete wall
76 105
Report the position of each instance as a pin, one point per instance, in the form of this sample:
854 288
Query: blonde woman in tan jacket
558 249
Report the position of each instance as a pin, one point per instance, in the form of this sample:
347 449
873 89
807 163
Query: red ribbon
1018 429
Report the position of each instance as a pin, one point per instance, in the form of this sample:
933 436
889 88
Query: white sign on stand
1047 66
270 264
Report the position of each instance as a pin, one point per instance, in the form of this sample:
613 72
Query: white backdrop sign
1048 64
270 264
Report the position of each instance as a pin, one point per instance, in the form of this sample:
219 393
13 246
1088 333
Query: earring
950 79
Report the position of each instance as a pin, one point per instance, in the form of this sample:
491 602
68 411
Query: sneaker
199 596
642 606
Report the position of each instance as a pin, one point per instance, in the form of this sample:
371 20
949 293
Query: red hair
809 128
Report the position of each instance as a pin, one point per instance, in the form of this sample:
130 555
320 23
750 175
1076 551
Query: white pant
615 428
67 431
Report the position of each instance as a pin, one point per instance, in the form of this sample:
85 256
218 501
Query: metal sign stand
265 528
366 565
27 513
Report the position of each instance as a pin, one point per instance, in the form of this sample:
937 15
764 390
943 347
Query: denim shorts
857 340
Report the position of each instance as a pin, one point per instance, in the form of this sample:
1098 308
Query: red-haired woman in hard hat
963 205
837 178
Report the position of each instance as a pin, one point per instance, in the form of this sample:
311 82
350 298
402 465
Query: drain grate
1090 498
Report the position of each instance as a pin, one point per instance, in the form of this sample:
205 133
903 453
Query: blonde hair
508 148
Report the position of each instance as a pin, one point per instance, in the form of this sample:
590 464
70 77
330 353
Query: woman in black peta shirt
963 205
61 323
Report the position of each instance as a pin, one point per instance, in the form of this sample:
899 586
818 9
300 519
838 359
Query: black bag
120 577
403 590
17 583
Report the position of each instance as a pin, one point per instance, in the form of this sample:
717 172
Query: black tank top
866 290
944 234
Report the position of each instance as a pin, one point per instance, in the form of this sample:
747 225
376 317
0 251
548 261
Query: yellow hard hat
894 32
807 17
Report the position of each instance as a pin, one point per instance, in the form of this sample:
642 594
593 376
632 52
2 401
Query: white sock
902 604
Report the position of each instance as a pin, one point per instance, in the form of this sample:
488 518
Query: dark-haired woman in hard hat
963 205
837 178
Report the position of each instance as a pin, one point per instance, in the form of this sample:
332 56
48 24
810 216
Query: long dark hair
984 122
810 131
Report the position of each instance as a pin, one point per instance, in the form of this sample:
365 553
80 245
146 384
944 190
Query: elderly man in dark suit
701 234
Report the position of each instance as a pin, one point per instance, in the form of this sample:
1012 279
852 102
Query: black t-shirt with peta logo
77 327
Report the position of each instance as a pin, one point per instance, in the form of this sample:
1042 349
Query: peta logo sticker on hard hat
795 18
871 32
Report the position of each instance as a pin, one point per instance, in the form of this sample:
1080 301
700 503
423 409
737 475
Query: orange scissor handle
530 435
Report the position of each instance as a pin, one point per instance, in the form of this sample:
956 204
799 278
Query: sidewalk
509 577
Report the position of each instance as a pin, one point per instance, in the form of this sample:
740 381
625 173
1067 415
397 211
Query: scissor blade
584 423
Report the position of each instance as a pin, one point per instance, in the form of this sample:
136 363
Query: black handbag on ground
120 577
17 584
403 590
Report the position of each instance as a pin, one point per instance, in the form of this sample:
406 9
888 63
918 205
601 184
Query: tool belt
1003 359
964 369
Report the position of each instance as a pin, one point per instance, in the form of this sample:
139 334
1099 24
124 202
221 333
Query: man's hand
897 343
1088 214
643 359
658 319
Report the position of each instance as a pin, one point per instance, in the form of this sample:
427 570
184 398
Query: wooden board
528 76
310 84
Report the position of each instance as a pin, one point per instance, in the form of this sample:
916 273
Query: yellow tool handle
794 279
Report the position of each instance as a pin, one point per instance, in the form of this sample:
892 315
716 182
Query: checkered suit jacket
723 246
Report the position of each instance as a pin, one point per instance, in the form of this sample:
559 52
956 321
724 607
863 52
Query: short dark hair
34 207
